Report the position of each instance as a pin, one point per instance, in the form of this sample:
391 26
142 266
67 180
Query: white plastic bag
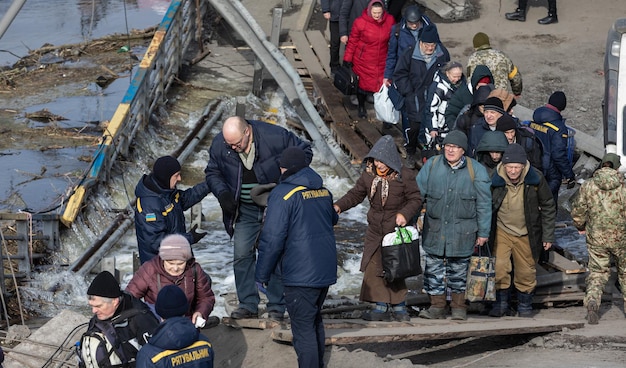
385 111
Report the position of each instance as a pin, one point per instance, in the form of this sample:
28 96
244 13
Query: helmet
412 14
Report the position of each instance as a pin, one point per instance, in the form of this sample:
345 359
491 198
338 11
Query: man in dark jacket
549 126
481 76
123 320
522 225
176 342
330 9
525 137
413 75
244 155
298 238
160 207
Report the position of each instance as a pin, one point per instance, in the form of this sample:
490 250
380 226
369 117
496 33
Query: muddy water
61 22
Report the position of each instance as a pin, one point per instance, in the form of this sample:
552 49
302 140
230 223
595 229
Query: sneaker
387 126
276 315
243 313
592 312
375 315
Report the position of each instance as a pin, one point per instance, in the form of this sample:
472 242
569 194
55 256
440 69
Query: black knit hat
514 153
171 302
105 285
505 122
429 34
163 169
558 100
495 104
293 159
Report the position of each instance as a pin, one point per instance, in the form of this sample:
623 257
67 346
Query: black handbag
346 81
401 258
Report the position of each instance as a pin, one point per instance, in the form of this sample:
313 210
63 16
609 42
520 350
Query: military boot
518 14
459 309
592 312
437 309
501 306
551 18
525 304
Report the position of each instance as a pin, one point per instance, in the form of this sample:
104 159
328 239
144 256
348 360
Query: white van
614 104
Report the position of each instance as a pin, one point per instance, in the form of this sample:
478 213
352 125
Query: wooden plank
563 264
321 49
253 323
306 53
420 329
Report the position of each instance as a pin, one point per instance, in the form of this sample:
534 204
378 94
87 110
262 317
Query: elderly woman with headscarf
394 200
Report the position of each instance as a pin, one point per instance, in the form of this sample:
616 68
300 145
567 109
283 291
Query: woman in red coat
174 265
366 50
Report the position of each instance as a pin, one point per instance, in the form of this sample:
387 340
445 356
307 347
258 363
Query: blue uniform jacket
225 169
297 235
550 128
176 343
160 212
397 44
456 211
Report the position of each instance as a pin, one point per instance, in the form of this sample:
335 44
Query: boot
551 18
592 312
459 309
362 112
437 309
518 14
525 306
501 306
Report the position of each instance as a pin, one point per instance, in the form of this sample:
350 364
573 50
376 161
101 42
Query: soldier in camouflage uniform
505 73
599 211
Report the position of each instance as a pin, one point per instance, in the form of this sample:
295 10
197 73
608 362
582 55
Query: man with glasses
246 154
457 197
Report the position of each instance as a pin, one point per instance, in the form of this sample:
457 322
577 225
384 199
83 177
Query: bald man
244 155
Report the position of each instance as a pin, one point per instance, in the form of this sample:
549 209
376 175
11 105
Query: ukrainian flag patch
150 217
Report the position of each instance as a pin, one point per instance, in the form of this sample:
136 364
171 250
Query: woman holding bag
394 200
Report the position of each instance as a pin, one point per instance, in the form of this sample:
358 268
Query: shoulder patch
150 217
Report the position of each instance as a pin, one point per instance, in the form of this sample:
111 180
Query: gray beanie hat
456 137
514 153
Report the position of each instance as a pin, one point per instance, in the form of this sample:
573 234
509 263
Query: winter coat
464 94
133 322
413 77
297 235
403 197
437 97
401 38
160 212
332 6
457 212
367 48
224 170
176 343
349 11
533 146
476 134
505 73
539 207
550 127
600 208
151 277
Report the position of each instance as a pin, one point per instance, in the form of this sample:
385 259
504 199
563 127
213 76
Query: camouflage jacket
600 207
505 73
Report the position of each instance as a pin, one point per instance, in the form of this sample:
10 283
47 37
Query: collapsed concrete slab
450 9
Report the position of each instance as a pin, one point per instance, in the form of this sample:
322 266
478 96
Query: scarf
383 178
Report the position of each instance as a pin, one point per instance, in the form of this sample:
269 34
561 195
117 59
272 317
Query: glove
347 64
228 204
196 234
571 183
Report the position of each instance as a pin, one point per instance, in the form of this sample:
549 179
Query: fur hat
456 137
613 159
495 104
514 153
505 122
429 34
175 247
558 100
163 169
481 40
171 302
105 285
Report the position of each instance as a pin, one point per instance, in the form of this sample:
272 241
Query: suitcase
346 81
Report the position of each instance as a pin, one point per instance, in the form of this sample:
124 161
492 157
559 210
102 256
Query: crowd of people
494 184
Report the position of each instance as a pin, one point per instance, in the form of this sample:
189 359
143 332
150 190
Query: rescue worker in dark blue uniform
160 207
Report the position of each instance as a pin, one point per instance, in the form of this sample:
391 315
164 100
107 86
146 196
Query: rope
17 292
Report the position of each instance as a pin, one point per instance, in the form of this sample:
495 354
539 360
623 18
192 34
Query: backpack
531 144
99 348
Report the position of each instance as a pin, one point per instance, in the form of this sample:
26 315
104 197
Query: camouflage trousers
600 268
442 272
